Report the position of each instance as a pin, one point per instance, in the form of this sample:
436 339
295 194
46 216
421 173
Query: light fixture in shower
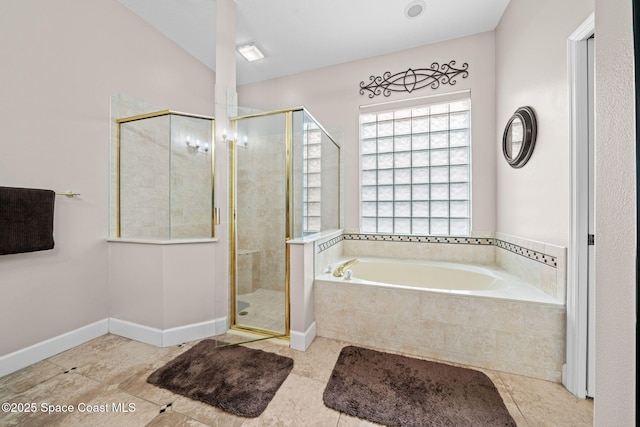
190 144
250 52
195 146
227 140
414 9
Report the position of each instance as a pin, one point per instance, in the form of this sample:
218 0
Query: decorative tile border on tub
528 253
329 243
421 239
452 240
549 260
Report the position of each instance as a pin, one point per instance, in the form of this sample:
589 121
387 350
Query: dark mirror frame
529 124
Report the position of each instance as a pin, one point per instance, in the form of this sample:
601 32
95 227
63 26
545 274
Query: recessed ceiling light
250 52
414 9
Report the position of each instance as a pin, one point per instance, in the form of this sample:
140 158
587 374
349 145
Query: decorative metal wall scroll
410 80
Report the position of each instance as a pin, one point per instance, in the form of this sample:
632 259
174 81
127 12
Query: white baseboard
35 353
196 331
136 331
168 337
302 340
160 338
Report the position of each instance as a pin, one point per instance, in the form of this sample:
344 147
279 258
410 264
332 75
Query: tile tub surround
496 334
540 264
510 336
328 249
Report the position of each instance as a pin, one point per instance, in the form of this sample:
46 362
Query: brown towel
26 220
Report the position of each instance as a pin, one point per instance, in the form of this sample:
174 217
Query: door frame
233 222
575 371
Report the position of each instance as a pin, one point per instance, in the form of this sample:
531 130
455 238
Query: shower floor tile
266 310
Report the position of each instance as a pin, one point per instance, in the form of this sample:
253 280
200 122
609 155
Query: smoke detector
414 9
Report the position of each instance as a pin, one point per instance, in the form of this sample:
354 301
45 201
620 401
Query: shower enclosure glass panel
316 166
285 185
261 204
165 176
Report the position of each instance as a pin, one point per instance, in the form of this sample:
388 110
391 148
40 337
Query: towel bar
68 194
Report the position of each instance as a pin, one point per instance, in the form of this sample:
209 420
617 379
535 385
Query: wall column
225 107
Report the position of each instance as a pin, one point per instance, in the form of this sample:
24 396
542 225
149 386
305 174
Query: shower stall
284 180
161 241
164 176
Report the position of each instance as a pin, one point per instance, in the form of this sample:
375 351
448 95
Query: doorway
579 371
591 253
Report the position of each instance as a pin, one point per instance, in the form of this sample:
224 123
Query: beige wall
616 222
332 96
61 62
161 286
531 69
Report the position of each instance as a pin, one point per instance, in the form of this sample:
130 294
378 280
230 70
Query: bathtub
444 277
470 314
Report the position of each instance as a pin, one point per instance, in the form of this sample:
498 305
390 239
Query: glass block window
311 195
416 169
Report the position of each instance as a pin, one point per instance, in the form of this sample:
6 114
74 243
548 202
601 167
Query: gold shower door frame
119 122
288 220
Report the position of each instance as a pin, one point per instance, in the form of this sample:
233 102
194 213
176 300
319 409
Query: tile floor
113 370
264 310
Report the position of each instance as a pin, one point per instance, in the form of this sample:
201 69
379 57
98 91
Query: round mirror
515 138
519 137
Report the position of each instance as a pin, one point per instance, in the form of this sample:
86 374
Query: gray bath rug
236 379
401 391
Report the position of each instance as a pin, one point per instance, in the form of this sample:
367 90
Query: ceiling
303 35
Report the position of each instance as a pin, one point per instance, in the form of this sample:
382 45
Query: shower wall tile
122 105
261 195
165 185
248 273
191 196
144 178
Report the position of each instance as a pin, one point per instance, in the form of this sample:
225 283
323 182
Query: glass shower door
260 192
